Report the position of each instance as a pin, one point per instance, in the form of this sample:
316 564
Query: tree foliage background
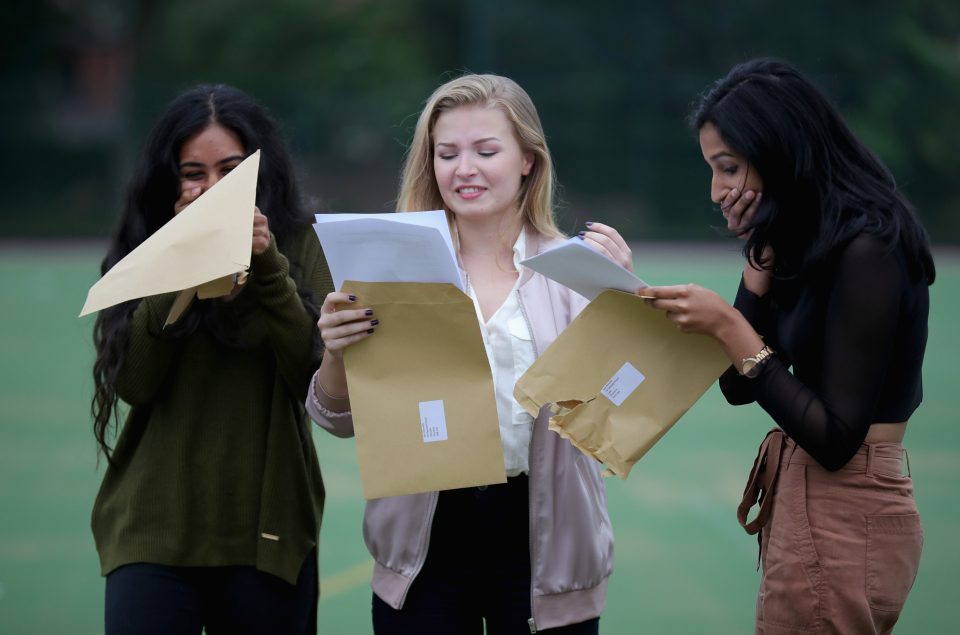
613 80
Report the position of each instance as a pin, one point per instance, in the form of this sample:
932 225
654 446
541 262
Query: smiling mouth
470 189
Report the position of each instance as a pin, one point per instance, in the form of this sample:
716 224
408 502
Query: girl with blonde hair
534 554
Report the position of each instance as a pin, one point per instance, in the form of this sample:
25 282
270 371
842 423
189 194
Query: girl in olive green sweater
209 512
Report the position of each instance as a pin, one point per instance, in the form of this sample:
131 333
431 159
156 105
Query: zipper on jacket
435 500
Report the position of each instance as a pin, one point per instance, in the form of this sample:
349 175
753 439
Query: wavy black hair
821 185
151 194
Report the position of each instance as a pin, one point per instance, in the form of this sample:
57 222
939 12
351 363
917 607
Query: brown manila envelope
421 392
619 377
200 252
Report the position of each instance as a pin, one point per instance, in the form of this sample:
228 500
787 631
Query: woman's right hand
342 322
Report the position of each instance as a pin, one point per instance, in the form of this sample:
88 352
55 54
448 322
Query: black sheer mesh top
850 343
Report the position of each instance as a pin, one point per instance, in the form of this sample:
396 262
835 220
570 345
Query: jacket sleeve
331 413
291 327
149 356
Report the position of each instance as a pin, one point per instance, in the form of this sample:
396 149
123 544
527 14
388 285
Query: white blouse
510 351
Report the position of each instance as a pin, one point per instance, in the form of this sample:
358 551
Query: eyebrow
477 142
197 164
722 153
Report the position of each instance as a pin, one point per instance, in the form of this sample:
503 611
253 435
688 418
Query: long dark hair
821 185
151 194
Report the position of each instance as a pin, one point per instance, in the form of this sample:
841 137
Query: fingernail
374 322
581 234
368 312
369 331
588 224
353 298
749 195
734 191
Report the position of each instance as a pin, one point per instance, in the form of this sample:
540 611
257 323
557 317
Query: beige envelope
199 252
619 377
421 392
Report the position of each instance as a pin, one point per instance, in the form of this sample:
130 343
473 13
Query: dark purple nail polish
581 234
588 224
353 298
374 322
369 331
368 312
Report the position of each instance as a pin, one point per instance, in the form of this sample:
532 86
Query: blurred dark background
613 80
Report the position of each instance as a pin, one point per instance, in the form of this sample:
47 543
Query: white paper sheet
390 247
588 272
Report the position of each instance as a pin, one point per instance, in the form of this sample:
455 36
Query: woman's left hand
609 242
261 232
692 308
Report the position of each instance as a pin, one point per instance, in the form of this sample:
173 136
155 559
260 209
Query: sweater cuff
270 260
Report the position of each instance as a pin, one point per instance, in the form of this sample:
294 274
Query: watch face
751 368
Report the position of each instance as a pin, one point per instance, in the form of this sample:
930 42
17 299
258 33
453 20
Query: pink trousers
840 550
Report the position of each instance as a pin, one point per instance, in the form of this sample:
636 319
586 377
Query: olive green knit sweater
215 464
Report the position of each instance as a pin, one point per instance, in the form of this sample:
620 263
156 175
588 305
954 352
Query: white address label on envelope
433 423
622 384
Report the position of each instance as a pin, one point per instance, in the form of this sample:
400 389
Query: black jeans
144 599
477 569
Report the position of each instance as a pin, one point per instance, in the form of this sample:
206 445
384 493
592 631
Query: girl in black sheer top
827 334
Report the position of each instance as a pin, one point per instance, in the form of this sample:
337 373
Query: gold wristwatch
751 366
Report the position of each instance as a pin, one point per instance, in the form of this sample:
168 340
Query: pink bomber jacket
571 535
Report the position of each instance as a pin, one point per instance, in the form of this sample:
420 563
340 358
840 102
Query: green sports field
683 565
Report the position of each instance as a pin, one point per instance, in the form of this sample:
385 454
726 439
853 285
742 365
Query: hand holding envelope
421 392
200 252
620 375
421 389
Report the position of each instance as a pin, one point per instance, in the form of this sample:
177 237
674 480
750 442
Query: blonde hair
418 183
